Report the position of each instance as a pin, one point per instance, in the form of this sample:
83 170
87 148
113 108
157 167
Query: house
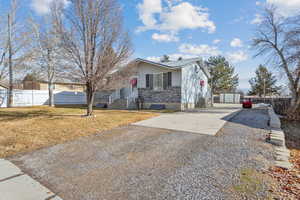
58 86
177 85
3 86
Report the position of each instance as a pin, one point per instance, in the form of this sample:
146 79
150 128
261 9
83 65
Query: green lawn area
31 128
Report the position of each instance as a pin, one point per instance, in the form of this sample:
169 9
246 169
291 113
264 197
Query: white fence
230 98
41 97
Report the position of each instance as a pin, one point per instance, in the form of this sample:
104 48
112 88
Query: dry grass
253 185
27 129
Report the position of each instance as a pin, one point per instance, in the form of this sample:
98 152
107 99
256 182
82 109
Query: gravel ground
146 163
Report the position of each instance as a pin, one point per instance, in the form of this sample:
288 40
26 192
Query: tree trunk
294 110
89 98
51 94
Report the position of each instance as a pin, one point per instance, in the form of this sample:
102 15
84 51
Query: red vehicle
247 103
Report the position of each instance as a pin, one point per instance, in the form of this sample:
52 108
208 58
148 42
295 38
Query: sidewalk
15 185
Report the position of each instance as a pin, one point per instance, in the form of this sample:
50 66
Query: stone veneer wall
170 95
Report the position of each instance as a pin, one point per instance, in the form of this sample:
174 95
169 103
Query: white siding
230 98
3 98
145 68
191 90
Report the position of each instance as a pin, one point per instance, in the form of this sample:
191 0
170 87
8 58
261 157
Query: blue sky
191 28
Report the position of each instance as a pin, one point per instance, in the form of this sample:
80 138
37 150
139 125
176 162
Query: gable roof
3 85
179 64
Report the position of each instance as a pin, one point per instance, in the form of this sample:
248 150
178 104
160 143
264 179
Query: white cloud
236 57
257 20
286 7
216 41
236 42
199 50
258 3
165 37
147 11
42 7
174 17
186 16
153 58
190 51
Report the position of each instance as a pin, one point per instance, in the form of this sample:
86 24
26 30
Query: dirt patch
253 185
27 129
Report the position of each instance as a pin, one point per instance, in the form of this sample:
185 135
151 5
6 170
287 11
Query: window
169 82
159 81
149 81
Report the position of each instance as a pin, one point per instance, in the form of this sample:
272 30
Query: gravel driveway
147 163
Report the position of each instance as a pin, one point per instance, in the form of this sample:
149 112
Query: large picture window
159 81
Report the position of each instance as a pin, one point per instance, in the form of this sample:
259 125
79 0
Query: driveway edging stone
277 138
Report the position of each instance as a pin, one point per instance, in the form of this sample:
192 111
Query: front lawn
27 129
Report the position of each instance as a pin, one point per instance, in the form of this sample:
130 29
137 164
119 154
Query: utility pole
211 85
265 88
211 93
10 70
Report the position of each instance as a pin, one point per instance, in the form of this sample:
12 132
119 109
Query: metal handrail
114 96
132 96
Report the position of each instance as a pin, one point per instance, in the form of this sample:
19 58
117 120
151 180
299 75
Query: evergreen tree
223 78
264 83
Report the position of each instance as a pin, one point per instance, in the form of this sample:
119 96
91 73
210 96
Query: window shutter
169 79
151 81
147 80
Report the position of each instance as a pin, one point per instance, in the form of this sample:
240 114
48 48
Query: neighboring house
178 85
3 94
58 86
3 86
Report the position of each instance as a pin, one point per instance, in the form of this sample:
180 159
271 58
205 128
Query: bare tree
93 38
271 39
47 53
293 39
14 38
3 49
120 77
293 43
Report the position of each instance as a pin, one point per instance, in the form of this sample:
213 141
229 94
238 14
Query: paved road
146 163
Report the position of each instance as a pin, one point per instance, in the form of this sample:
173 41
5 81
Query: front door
123 93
